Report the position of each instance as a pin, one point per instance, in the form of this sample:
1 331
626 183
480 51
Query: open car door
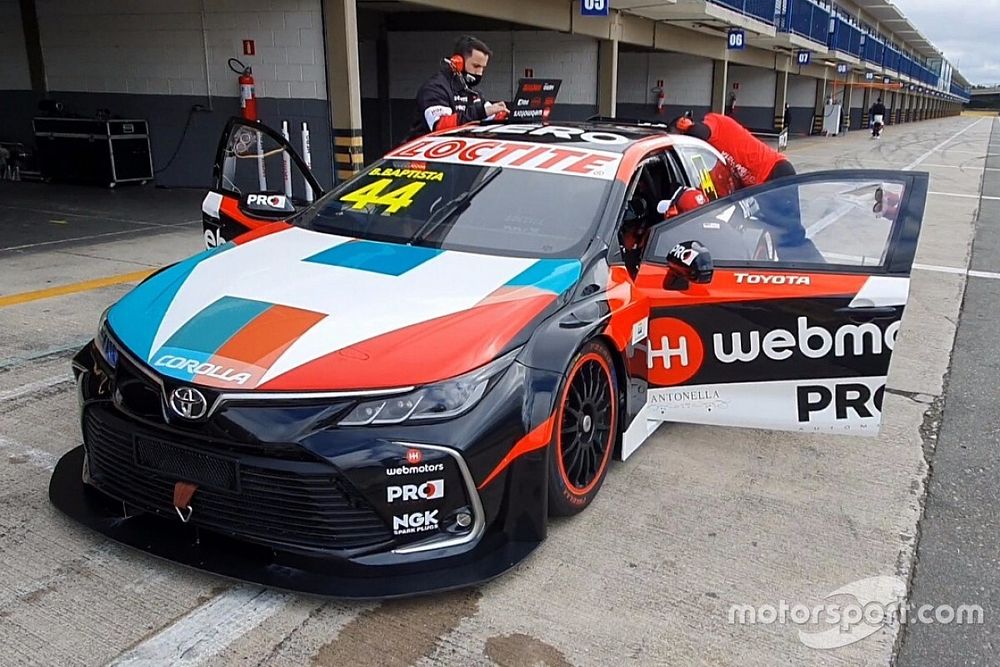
259 178
791 323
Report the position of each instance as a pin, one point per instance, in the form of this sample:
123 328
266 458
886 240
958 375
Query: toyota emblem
188 402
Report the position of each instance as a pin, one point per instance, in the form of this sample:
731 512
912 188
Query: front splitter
245 561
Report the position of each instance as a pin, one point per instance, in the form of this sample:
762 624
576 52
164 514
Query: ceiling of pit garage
401 15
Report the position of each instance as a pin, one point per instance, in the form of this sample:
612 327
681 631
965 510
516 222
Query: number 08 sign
595 7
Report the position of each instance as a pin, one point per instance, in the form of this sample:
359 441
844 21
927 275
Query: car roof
603 135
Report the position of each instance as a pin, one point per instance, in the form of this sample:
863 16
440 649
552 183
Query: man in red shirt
749 158
753 162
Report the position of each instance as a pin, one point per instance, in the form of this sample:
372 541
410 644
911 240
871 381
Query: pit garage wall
802 102
147 60
413 56
14 73
15 77
755 96
687 85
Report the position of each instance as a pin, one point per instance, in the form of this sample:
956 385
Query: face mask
473 79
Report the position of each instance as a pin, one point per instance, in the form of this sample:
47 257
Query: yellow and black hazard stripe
348 152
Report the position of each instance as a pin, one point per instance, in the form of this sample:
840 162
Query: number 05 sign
595 7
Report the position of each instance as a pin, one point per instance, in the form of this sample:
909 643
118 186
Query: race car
391 394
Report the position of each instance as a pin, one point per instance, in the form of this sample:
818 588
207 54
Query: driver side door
259 178
796 328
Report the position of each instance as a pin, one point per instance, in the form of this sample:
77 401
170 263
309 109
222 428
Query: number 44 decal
372 195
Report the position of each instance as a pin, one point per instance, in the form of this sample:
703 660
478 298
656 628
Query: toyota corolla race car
392 393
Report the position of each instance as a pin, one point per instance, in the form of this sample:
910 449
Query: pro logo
855 397
429 490
272 201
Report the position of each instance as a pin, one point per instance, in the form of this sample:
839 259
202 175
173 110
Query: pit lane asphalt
699 519
958 558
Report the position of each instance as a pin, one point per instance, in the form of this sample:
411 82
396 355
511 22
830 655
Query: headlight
105 344
435 401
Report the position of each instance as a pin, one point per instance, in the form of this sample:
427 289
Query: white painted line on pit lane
208 629
31 388
953 269
91 216
141 227
7 363
958 166
931 152
959 194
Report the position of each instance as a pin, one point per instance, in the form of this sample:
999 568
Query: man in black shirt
449 99
877 112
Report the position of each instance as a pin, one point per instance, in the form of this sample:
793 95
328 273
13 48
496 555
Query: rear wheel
585 431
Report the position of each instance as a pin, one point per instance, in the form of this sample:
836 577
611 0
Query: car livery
389 391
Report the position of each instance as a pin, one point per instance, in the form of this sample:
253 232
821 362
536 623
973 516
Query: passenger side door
799 338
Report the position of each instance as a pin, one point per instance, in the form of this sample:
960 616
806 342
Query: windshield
475 208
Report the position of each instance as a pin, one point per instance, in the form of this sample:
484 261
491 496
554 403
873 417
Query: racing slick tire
585 431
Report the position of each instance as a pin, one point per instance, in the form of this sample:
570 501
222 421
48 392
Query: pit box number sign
595 7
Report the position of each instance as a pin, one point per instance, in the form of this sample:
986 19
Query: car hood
299 310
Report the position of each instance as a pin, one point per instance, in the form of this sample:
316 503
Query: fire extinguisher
248 95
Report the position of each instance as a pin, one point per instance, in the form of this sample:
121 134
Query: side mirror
691 262
267 205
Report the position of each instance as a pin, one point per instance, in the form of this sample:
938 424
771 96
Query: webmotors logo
413 470
813 342
415 522
676 351
429 490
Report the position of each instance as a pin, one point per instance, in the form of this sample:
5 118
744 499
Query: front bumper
284 501
238 559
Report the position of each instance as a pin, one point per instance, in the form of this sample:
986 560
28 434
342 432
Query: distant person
877 113
449 98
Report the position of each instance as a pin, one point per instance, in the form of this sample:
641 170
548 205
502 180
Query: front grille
186 464
281 503
139 394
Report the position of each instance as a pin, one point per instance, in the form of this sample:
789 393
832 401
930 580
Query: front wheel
585 431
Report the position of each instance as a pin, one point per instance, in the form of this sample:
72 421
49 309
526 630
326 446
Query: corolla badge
188 402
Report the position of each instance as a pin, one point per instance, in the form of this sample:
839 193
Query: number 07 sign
595 7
